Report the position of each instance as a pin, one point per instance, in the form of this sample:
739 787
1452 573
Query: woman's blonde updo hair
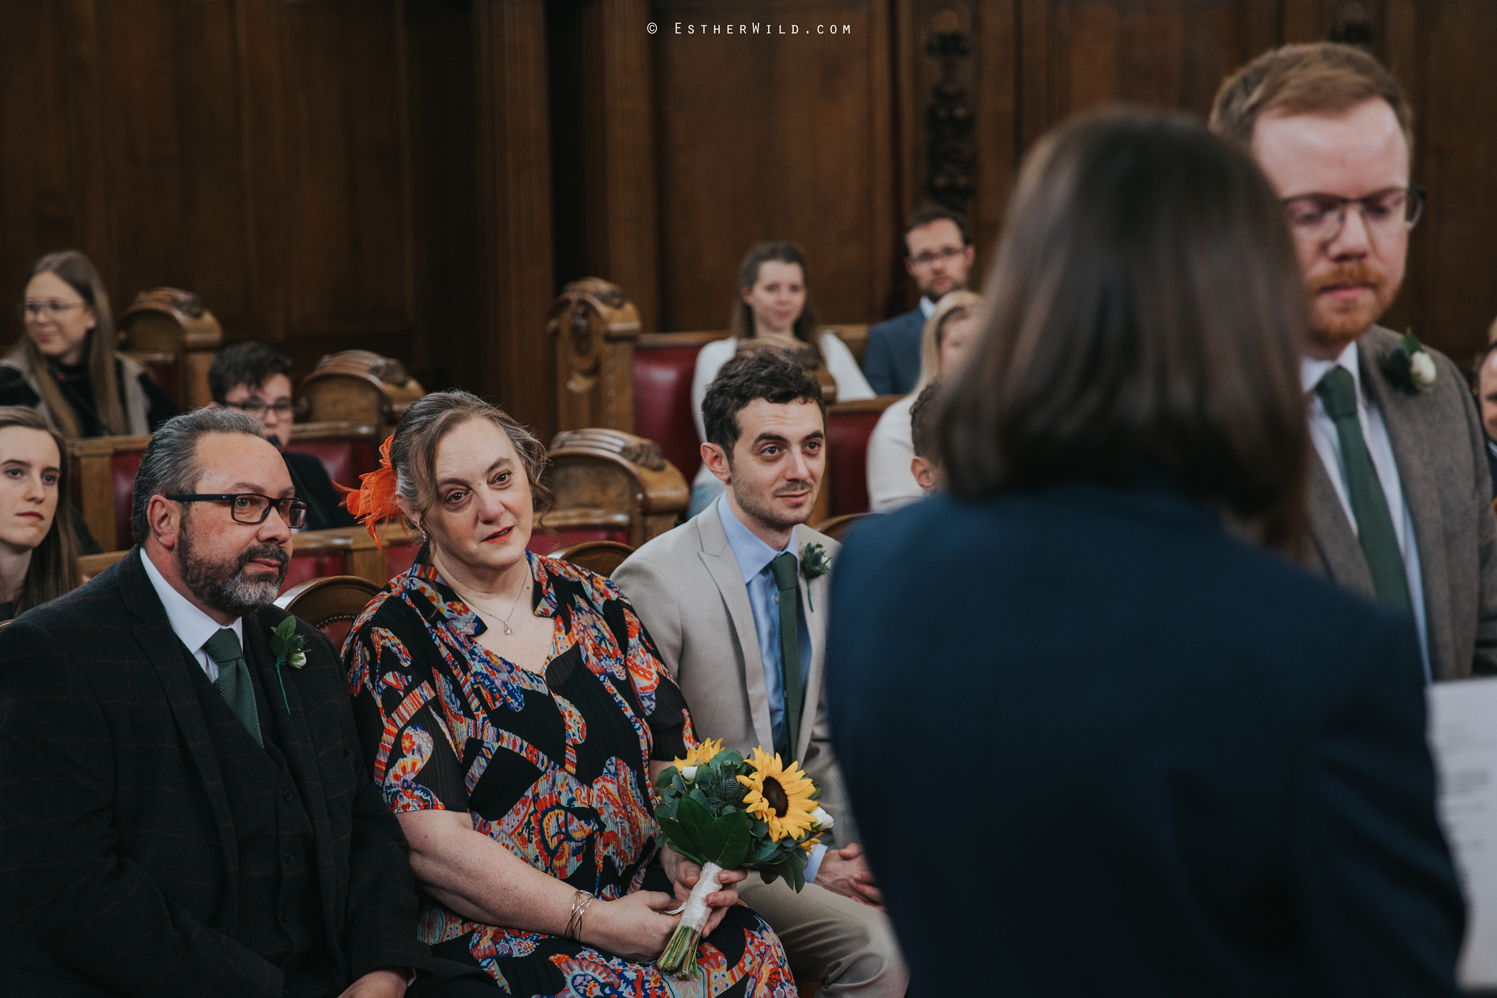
413 451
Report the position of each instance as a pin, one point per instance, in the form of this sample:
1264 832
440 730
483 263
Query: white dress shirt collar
1311 369
192 626
752 554
926 306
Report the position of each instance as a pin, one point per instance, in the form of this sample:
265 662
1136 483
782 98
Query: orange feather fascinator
374 499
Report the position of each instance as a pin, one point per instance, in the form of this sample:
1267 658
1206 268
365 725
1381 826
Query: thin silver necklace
524 588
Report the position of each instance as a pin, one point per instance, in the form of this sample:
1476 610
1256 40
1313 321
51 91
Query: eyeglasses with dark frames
928 257
256 407
253 508
35 308
1319 218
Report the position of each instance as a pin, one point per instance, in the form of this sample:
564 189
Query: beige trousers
848 947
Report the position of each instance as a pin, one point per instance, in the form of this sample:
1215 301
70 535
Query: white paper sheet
1463 736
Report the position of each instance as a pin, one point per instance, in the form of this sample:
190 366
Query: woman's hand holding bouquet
724 812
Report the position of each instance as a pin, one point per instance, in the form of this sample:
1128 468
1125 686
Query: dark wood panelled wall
421 177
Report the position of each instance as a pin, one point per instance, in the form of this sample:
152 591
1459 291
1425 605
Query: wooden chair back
357 386
103 471
601 476
601 557
90 565
169 333
330 604
837 527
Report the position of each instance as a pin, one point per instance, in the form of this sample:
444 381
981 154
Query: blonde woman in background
891 448
66 366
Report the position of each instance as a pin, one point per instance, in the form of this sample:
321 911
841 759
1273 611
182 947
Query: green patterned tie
233 680
1369 504
784 568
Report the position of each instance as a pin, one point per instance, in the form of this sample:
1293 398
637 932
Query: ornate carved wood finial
951 156
595 326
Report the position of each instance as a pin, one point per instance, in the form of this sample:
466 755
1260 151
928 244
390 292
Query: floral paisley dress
553 767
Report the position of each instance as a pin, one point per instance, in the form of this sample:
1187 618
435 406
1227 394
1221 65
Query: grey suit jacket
688 590
1440 451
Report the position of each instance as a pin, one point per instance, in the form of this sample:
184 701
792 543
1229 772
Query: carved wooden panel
770 137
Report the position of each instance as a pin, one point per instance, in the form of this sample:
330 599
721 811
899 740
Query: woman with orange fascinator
514 712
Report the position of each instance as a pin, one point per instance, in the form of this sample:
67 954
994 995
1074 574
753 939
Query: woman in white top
951 326
773 311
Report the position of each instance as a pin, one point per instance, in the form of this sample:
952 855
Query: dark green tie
233 680
784 568
1369 504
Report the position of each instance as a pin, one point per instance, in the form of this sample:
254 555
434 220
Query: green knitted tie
784 568
1369 504
233 680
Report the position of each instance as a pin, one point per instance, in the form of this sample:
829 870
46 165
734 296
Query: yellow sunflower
700 755
779 795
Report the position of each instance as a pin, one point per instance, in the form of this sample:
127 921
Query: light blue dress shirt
753 557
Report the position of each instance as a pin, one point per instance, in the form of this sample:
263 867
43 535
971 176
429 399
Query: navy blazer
1096 745
892 360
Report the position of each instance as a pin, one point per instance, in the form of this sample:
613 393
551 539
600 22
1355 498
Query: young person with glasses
66 366
1400 491
256 380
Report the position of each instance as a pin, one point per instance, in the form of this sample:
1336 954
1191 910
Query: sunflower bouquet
723 812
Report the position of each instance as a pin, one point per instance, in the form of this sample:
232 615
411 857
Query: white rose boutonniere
1410 367
289 649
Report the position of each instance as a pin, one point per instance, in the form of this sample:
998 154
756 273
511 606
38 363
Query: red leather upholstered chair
848 427
346 450
104 476
664 364
330 604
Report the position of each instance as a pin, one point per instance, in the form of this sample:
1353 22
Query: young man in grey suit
938 255
1400 500
735 600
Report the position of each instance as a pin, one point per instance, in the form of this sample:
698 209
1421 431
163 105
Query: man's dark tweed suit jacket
118 870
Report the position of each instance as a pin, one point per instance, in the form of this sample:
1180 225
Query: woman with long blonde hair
66 366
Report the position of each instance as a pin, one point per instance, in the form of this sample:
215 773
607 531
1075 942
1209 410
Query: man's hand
386 982
844 871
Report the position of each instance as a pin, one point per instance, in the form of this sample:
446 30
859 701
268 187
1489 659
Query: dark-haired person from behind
256 380
1196 767
66 366
925 466
38 548
938 255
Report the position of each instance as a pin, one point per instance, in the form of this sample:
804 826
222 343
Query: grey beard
224 587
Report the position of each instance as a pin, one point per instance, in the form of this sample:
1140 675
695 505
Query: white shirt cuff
813 865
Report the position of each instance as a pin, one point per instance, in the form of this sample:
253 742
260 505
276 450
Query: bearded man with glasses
190 813
1400 500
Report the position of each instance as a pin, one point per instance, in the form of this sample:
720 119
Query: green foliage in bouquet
723 812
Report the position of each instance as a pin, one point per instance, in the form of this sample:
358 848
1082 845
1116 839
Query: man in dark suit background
1400 493
939 256
256 380
187 808
1175 764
